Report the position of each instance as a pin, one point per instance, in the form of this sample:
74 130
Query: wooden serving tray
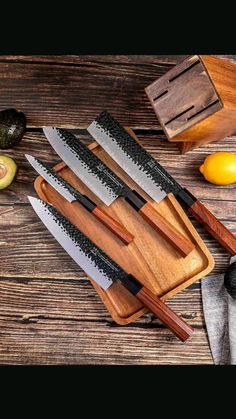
148 257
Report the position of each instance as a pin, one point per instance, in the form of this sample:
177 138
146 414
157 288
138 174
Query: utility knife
104 183
101 268
71 194
152 177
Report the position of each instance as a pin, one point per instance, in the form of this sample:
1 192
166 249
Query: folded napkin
220 316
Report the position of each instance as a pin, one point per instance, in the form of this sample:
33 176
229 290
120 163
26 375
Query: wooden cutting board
148 257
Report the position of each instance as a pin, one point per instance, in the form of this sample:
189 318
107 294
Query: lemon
220 168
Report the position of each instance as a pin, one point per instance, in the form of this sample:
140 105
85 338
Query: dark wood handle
214 226
113 225
178 326
169 232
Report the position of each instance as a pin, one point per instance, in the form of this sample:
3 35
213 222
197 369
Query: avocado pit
8 170
3 171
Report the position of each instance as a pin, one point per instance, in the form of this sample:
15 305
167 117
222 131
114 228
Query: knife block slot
180 114
202 110
184 71
160 95
195 101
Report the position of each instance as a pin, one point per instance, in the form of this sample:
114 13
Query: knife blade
101 268
152 177
71 194
108 186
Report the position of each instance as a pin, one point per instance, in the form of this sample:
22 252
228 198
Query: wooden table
47 315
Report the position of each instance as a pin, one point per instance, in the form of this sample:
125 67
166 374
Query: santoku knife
152 177
101 268
108 186
71 194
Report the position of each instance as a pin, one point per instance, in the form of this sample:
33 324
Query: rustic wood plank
74 95
29 299
70 342
51 321
155 60
55 321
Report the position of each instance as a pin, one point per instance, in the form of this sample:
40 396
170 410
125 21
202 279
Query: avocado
12 128
8 170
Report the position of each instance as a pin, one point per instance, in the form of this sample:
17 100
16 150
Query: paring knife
152 177
71 195
108 186
102 268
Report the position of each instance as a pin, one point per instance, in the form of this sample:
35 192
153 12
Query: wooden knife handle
174 322
113 225
214 226
169 232
177 325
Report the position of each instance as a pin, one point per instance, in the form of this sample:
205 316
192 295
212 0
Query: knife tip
33 200
28 157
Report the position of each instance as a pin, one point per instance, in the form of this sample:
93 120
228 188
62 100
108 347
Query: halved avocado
8 170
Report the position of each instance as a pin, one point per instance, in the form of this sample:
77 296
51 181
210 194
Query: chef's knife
152 177
71 195
101 268
108 186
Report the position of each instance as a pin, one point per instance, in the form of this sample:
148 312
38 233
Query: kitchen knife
108 186
101 268
152 177
71 195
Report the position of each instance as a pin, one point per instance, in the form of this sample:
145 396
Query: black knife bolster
87 203
136 200
131 283
184 196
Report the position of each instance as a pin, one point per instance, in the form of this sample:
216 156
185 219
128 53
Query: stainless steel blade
132 157
92 180
85 253
125 162
57 182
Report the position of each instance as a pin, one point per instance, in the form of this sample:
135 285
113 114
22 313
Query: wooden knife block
195 101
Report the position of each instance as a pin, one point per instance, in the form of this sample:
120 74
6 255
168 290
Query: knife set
152 251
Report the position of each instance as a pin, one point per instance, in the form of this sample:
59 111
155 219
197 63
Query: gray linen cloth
220 316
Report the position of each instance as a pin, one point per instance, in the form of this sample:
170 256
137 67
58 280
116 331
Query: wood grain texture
124 235
72 91
164 313
159 223
221 123
195 101
184 96
63 322
214 227
49 313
